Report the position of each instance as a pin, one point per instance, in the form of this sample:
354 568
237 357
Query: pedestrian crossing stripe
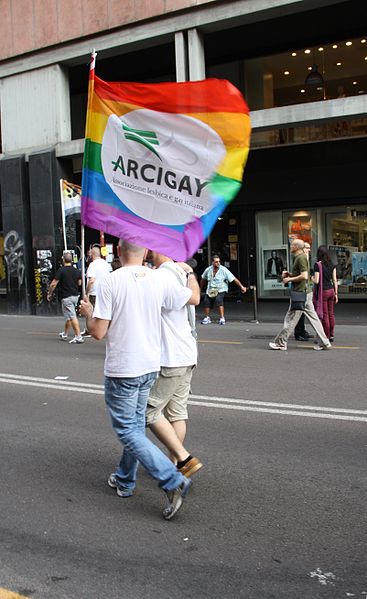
5 594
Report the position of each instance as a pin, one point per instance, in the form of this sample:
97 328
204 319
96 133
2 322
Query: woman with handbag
325 292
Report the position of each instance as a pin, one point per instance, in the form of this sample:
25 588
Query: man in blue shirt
216 278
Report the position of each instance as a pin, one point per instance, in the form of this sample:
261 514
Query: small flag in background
162 161
71 198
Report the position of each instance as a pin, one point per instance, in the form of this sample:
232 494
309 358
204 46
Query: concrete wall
44 118
31 25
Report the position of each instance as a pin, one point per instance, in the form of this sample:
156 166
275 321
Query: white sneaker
63 336
77 340
85 334
206 320
273 345
222 321
320 347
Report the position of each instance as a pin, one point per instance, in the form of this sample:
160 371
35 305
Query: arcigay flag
162 161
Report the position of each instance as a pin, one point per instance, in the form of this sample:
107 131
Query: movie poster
359 268
275 260
342 258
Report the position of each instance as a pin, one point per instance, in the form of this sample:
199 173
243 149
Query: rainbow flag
162 161
70 198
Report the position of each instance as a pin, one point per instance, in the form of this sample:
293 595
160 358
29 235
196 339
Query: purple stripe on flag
164 240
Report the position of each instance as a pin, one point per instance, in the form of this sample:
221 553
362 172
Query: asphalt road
278 511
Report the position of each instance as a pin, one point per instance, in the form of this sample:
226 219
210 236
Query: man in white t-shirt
96 271
128 312
167 404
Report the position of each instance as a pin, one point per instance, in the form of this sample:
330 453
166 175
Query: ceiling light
303 91
314 78
321 49
286 72
363 41
355 82
309 68
348 43
335 46
307 51
294 53
338 64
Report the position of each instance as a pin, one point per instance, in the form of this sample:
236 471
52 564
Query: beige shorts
169 394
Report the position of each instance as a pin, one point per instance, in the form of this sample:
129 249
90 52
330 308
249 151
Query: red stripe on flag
192 96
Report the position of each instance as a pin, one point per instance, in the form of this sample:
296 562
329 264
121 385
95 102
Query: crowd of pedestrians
144 306
321 295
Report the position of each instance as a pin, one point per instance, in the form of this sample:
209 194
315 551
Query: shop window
224 241
347 241
342 230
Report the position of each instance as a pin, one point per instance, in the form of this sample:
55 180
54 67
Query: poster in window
275 260
300 227
359 268
341 256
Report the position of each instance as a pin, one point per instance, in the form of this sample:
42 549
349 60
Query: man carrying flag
128 313
161 163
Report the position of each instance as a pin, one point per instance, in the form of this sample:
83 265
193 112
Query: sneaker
175 498
63 336
206 320
331 339
85 334
222 321
77 340
274 345
320 347
119 490
192 466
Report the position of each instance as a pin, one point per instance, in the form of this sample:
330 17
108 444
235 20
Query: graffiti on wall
14 258
42 274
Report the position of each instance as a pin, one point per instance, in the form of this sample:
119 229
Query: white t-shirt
132 297
97 269
179 348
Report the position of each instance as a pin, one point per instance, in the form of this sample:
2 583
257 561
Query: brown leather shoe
190 467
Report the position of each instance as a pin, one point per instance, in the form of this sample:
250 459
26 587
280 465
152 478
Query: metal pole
63 213
254 296
209 245
82 251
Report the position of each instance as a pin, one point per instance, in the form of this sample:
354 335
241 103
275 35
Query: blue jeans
126 399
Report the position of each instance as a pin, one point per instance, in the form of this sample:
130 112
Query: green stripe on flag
225 187
92 156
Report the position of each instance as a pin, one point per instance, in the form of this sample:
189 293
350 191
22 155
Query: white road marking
204 401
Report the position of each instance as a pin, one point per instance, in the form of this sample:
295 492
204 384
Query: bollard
253 289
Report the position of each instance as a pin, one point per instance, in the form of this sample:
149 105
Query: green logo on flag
147 138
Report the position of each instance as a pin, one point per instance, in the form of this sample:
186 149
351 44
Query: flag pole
82 251
63 213
92 64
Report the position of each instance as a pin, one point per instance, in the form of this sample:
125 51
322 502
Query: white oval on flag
158 164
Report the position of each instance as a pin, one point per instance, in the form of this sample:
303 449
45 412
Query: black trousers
299 330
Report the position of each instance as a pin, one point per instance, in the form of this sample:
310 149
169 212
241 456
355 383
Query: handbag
213 292
298 300
317 299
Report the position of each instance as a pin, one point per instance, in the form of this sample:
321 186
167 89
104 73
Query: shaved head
298 243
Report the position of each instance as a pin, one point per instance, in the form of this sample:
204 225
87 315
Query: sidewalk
347 312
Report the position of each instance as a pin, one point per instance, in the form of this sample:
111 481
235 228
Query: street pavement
278 511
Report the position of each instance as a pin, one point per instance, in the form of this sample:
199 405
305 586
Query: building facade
302 66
